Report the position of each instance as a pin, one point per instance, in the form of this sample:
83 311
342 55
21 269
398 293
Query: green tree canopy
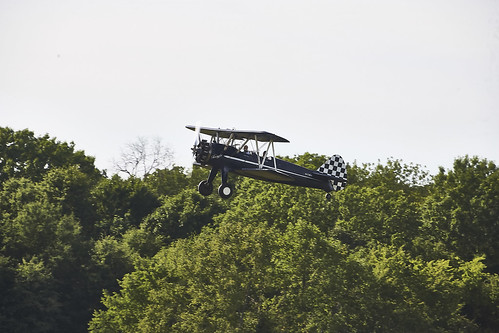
397 250
22 154
462 211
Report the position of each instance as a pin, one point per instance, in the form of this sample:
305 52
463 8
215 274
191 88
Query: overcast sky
416 80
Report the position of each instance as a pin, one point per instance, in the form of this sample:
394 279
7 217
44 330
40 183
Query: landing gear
225 191
205 188
328 196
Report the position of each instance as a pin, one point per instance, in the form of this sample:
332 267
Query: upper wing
227 133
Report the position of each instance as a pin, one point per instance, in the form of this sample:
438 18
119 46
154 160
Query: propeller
197 138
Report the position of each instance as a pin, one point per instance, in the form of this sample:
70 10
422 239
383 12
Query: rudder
337 168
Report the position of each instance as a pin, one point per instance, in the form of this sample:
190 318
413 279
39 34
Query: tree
395 251
22 154
215 281
141 158
32 303
167 181
33 226
415 295
71 189
122 203
111 259
462 211
308 160
182 215
250 277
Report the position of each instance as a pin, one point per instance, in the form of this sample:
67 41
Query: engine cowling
203 152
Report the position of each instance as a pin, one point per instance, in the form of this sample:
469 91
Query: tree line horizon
397 250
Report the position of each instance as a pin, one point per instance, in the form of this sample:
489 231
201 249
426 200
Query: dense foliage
398 250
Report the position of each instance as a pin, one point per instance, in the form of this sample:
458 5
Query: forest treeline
397 251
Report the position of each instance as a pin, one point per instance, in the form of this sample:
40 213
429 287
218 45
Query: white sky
416 80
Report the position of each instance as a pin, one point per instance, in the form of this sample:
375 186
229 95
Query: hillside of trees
398 251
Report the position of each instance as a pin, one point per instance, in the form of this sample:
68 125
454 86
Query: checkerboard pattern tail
337 168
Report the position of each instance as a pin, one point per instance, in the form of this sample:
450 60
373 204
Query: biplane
227 151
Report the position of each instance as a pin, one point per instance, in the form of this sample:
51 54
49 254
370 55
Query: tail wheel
225 191
205 188
328 196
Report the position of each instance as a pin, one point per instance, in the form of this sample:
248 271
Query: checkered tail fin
337 169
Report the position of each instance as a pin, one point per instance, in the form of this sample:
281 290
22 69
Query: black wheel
328 196
225 191
205 188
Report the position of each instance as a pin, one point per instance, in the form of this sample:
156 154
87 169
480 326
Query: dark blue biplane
227 151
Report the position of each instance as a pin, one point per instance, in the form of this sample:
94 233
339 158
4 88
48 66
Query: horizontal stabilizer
324 176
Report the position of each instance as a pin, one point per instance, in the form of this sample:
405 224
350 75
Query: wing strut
273 153
258 152
261 161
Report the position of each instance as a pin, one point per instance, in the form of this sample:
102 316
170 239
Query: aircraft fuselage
267 168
